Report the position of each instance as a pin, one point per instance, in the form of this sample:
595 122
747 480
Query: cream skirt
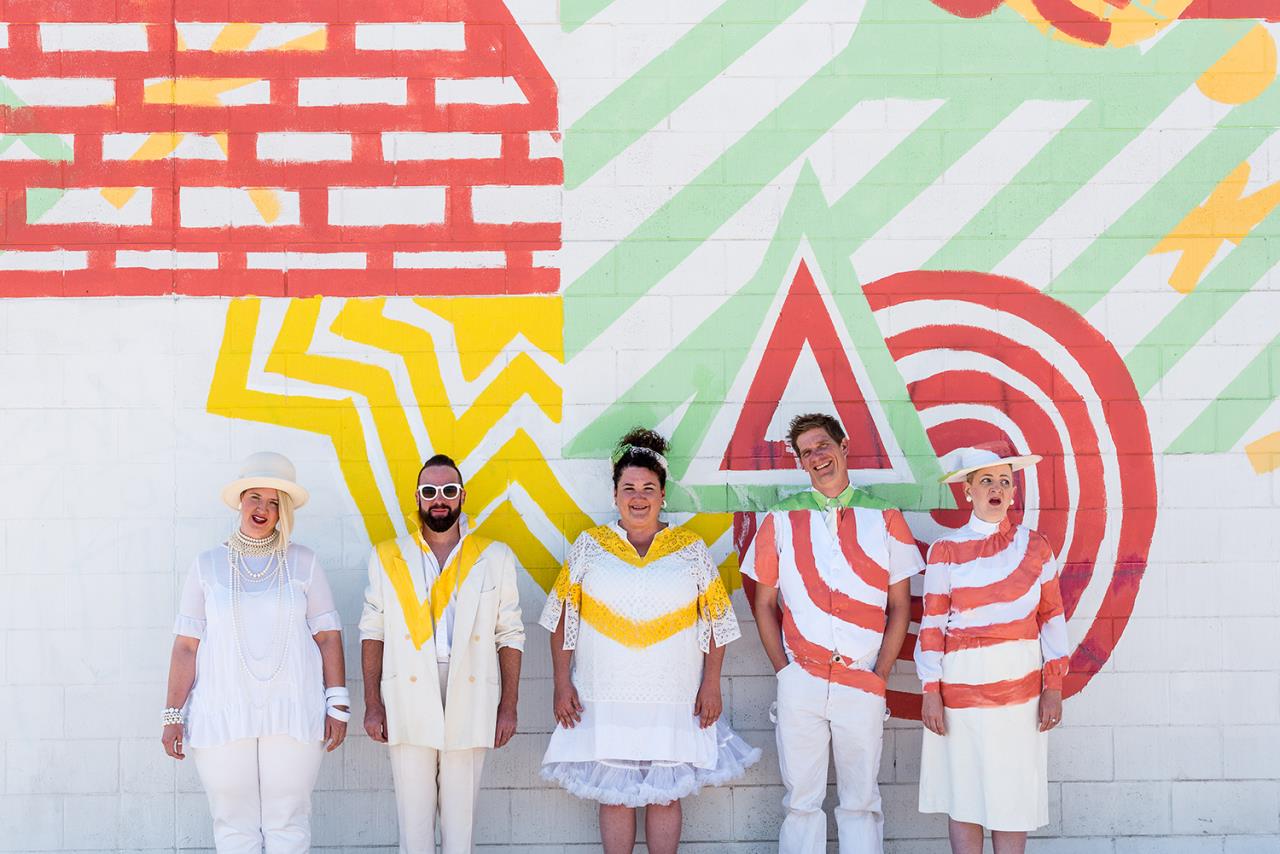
991 768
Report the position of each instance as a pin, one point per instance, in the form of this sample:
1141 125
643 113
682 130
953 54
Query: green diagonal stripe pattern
575 13
1179 330
654 92
1226 420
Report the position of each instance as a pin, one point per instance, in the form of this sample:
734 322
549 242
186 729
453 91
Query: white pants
814 717
428 781
260 793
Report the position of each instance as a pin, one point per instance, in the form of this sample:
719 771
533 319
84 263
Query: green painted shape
40 200
47 146
575 13
1076 154
887 57
698 375
1179 330
670 79
1132 237
1224 422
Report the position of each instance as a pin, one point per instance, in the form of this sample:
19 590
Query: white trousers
259 793
430 781
816 718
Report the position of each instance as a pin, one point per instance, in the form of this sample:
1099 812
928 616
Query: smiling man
441 640
838 561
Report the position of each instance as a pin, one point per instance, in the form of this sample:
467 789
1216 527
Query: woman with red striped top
991 656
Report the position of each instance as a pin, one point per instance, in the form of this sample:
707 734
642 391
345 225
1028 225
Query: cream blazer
487 617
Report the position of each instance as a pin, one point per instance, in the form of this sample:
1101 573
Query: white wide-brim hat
265 470
985 456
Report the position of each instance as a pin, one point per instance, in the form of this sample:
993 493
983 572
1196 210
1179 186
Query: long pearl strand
238 547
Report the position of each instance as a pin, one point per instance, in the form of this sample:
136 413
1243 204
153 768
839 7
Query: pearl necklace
277 565
252 547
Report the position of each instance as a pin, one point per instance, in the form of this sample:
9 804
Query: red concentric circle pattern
987 358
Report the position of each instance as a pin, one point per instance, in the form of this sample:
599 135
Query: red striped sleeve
764 553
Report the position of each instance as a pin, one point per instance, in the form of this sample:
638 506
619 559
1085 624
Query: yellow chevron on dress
668 541
421 616
636 634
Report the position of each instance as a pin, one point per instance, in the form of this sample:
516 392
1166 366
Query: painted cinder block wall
361 233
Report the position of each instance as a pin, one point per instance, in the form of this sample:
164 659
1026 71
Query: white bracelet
170 716
338 691
338 714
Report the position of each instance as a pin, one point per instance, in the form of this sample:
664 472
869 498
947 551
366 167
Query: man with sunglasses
441 639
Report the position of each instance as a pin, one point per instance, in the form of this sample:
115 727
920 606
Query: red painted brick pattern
232 241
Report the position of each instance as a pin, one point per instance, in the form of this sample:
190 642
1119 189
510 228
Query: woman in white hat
991 655
256 681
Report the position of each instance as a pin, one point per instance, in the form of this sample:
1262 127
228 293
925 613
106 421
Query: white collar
982 526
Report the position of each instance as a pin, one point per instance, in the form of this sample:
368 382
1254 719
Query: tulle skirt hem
631 783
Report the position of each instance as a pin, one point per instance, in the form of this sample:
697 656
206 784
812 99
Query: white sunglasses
449 491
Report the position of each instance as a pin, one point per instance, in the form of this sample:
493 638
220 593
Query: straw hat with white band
985 456
265 470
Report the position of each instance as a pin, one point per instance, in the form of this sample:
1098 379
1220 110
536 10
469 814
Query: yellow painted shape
1227 214
194 91
711 527
1244 72
363 321
158 146
291 359
421 615
221 139
118 197
1134 23
235 37
505 524
316 40
519 461
636 634
267 202
231 397
483 329
1264 454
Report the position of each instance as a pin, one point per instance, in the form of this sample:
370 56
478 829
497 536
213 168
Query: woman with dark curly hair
639 620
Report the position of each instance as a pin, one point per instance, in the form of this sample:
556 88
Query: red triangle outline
802 319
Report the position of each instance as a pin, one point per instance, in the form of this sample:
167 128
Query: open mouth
258 520
823 466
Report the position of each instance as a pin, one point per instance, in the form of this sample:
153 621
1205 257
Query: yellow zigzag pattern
483 328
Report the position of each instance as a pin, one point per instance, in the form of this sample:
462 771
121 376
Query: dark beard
439 524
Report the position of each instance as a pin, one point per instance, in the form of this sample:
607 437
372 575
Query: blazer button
471 678
475 637
407 636
413 678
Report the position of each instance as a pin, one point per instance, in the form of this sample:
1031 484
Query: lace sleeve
566 596
715 611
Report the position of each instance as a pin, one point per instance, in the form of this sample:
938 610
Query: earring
968 498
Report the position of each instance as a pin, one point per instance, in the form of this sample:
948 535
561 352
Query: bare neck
642 538
833 491
441 543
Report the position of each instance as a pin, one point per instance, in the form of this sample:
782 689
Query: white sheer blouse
228 703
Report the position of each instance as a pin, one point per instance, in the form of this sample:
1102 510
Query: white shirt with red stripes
985 584
833 582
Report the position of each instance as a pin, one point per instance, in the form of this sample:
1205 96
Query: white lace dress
639 628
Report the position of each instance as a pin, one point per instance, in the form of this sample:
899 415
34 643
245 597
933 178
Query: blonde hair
285 525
